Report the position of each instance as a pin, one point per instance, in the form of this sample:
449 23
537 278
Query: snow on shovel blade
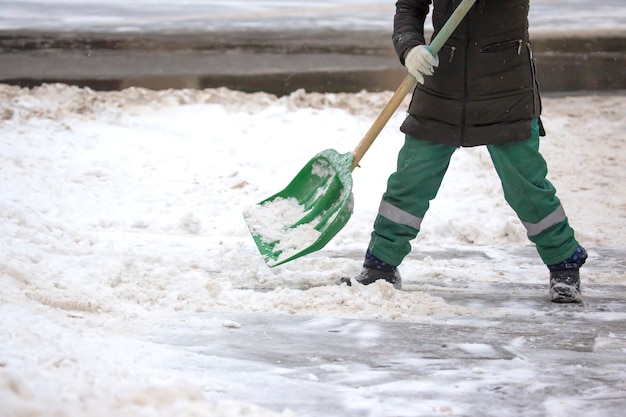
308 213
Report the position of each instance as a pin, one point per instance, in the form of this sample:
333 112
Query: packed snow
123 238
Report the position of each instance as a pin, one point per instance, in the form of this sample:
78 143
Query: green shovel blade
308 213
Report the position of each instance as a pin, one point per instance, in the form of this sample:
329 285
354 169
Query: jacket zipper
452 49
465 69
533 74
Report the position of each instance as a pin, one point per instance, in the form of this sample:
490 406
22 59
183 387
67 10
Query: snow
131 285
276 222
209 15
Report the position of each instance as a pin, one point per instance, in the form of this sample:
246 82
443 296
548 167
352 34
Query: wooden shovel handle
409 83
390 108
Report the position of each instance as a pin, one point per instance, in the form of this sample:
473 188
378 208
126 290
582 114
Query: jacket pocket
500 68
503 46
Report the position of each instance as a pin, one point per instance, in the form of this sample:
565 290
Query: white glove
420 62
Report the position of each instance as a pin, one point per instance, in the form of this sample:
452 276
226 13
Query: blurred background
274 46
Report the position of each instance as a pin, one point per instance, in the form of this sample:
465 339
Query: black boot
370 275
565 286
375 269
565 278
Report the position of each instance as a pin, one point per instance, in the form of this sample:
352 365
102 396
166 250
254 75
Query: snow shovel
318 202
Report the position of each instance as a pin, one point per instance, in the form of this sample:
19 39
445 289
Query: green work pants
522 171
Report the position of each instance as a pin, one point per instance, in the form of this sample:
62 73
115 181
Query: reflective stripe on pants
523 171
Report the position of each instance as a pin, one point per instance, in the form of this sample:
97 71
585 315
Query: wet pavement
275 62
498 361
506 351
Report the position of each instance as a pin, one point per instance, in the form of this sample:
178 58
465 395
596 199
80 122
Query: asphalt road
278 62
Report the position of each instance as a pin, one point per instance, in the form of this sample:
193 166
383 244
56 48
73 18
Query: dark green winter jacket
484 90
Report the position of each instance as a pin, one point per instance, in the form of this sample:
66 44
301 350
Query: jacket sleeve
408 25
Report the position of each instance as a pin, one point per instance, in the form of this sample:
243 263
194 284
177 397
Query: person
480 89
